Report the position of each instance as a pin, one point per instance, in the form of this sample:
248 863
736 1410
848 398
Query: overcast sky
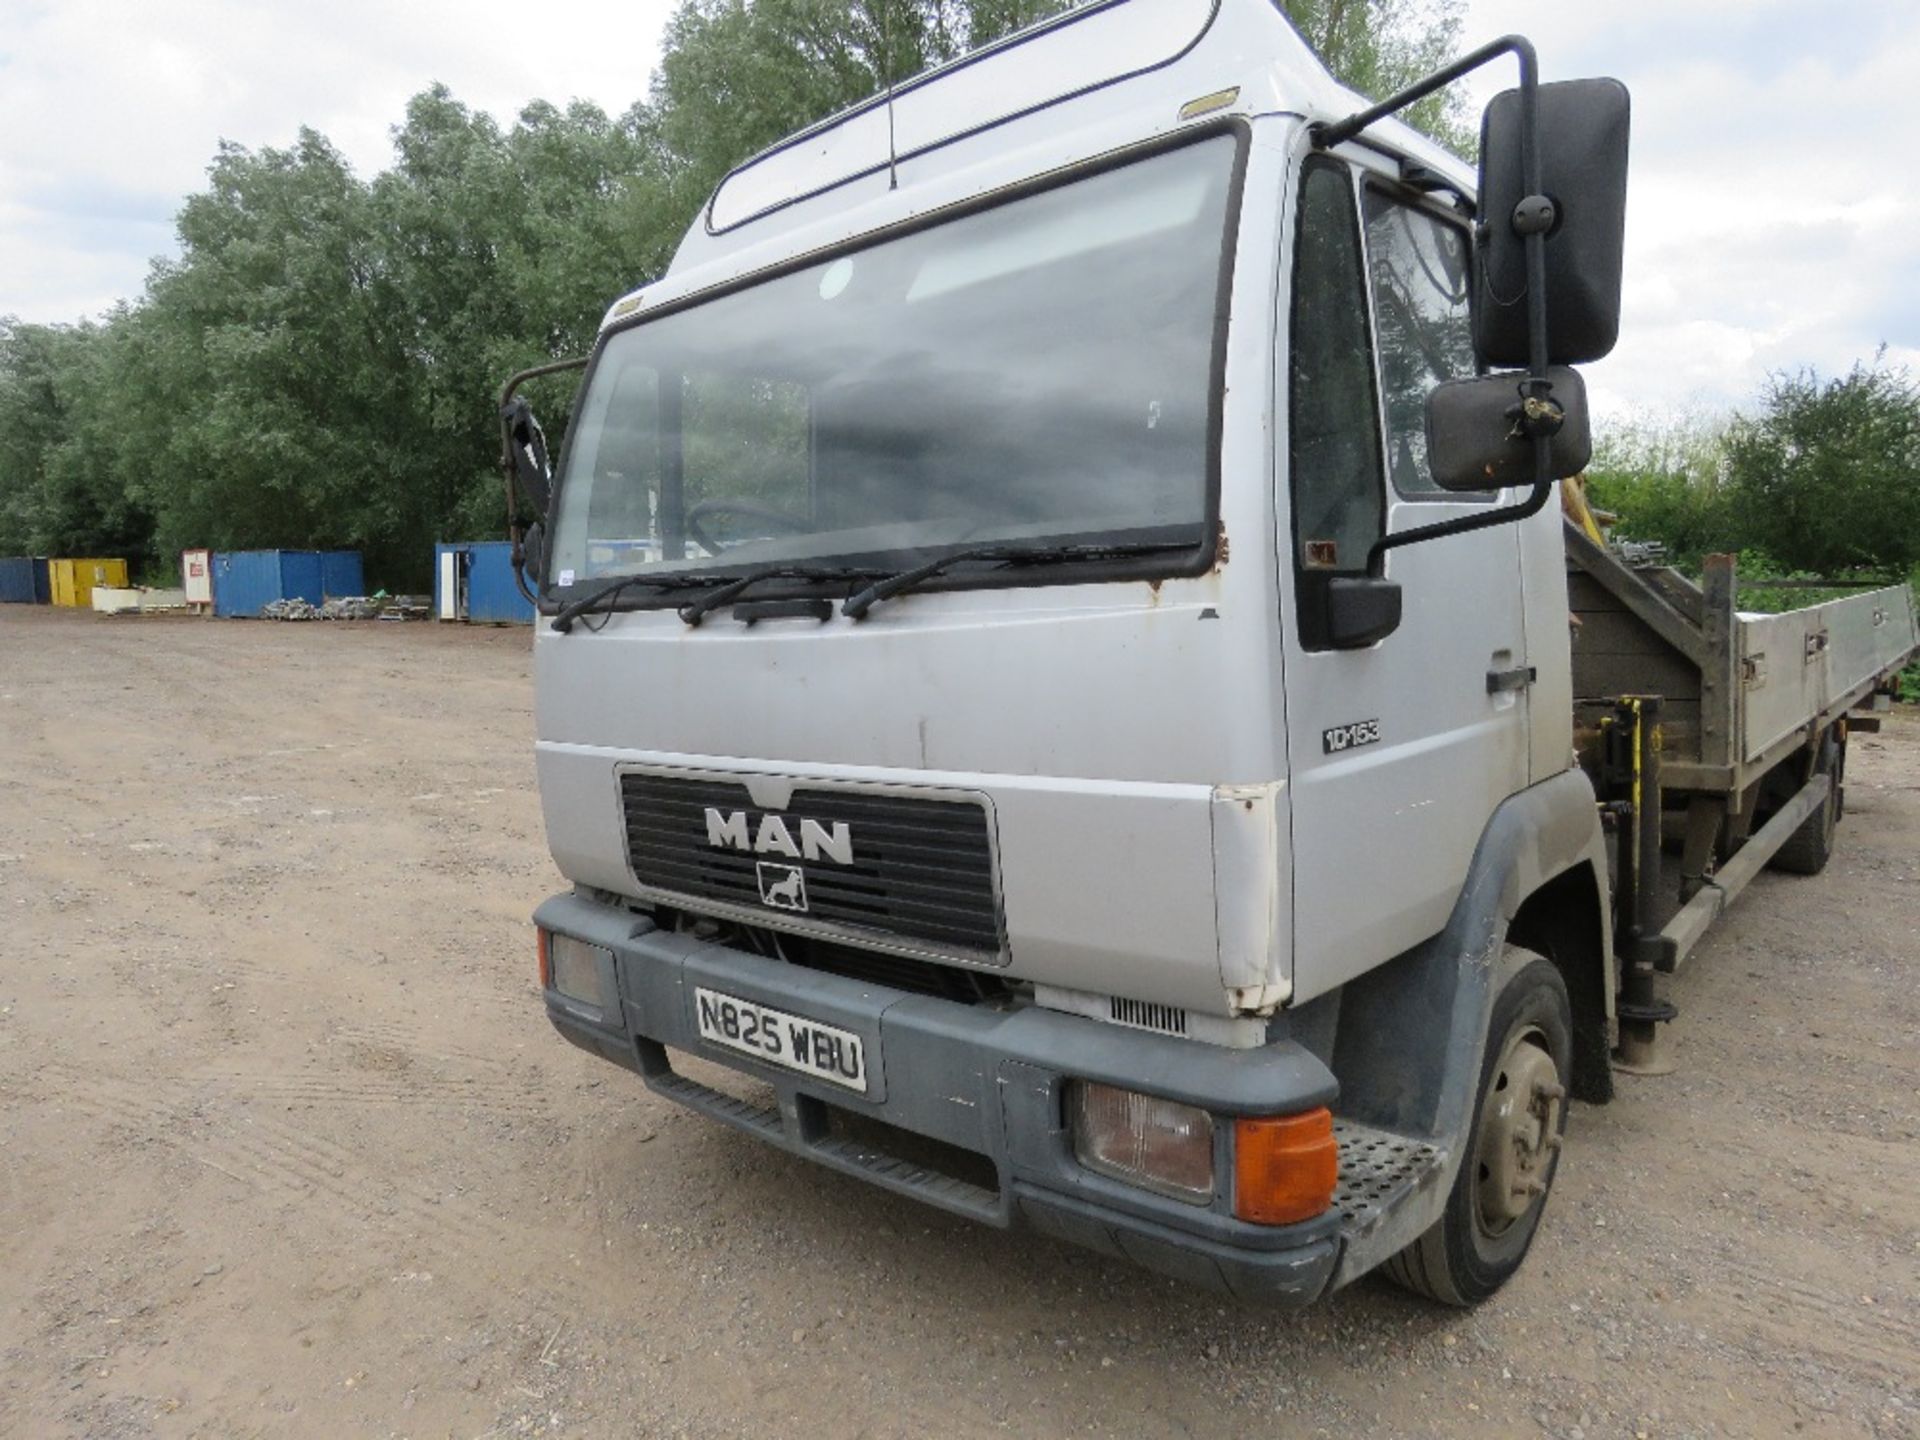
1774 207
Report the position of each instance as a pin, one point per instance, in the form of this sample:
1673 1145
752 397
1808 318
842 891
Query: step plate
1378 1168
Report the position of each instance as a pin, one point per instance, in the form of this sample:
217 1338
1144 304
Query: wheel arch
1409 1034
1565 920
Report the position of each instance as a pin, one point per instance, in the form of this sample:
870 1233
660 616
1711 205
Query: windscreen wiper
697 609
593 599
858 605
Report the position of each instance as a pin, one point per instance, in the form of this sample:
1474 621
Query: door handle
1501 681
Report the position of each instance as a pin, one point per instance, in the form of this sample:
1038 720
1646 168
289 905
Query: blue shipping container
340 573
16 580
245 582
482 572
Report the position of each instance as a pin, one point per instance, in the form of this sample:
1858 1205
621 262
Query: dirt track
288 1148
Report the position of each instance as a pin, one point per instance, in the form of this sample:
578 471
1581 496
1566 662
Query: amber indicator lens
1285 1167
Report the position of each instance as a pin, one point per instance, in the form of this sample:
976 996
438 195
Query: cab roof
1087 82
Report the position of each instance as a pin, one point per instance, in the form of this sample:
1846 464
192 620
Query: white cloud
1772 203
110 112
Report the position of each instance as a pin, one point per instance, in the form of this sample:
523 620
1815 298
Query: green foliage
266 347
736 77
1767 586
1379 46
316 367
1665 482
1822 480
60 399
1828 473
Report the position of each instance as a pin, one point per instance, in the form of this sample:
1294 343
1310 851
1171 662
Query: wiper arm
858 605
574 609
698 608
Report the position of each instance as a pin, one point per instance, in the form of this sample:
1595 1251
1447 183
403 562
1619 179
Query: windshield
1039 371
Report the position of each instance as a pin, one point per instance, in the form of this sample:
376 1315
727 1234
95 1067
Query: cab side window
1420 264
1333 429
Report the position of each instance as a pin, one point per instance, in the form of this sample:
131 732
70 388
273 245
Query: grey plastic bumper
987 1081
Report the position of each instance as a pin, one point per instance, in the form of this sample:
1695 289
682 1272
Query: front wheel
1513 1147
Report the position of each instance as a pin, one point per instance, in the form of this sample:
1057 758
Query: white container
196 576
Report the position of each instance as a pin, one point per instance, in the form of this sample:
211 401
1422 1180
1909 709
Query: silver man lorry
1059 656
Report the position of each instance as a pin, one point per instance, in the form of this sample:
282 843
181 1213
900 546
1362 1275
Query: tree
1380 46
316 366
1826 478
737 76
503 250
273 359
35 420
1665 480
60 398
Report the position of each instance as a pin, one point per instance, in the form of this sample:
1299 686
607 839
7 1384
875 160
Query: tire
1476 1245
1810 847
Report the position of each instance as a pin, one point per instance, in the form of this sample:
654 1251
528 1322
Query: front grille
896 972
921 877
1168 1019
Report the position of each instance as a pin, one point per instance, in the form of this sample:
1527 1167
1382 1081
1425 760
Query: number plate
822 1051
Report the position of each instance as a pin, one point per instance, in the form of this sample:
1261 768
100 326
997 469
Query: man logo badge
735 831
782 887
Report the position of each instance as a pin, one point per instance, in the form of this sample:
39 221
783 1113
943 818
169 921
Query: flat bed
1718 731
1740 691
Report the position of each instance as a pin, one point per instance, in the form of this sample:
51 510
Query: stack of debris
380 606
406 607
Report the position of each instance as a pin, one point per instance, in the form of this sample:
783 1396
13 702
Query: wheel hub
1519 1130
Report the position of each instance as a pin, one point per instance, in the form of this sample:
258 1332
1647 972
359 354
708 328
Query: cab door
1397 753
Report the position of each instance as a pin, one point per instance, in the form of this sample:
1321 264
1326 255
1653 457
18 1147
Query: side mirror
527 445
1474 439
1582 138
1362 610
533 548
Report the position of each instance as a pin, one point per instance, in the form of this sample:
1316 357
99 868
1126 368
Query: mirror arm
1538 397
1325 135
518 556
517 563
1536 499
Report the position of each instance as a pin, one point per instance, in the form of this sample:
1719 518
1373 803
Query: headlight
1146 1141
576 969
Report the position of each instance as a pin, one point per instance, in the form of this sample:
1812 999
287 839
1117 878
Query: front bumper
987 1082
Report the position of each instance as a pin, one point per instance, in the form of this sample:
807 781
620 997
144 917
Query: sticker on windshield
566 577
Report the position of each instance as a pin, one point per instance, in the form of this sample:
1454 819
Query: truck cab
980 695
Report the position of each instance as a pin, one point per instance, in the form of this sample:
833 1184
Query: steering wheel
702 508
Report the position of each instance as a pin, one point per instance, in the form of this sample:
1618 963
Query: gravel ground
288 1148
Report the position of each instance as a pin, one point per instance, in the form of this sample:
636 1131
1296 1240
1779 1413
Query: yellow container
71 581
